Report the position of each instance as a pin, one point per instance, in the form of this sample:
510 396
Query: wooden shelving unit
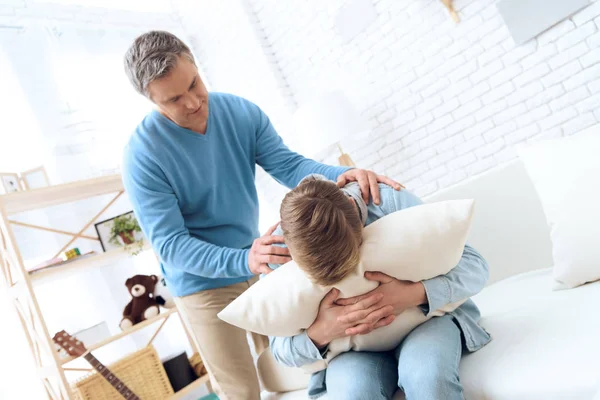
135 328
19 202
20 282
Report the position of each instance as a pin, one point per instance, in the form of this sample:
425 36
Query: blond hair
322 229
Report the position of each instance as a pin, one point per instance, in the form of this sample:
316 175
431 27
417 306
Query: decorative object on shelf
124 228
143 305
120 231
179 371
75 348
162 294
10 182
450 6
326 120
142 371
70 254
35 178
198 365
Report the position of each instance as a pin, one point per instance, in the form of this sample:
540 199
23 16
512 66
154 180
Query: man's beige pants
223 347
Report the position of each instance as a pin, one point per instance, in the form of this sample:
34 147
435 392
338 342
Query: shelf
122 334
94 261
58 194
190 388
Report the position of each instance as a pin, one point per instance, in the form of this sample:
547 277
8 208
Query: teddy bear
144 304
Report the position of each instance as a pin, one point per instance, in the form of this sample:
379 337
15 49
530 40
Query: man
189 170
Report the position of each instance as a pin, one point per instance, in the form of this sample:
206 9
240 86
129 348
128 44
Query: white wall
444 101
68 60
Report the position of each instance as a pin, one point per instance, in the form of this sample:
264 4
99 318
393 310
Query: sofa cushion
546 344
560 170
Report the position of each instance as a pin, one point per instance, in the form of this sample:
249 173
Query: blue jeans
424 366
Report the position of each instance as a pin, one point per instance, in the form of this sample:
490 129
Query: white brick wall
458 97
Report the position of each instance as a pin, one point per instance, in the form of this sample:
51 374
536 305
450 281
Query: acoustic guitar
75 348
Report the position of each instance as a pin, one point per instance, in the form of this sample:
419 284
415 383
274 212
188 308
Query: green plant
124 227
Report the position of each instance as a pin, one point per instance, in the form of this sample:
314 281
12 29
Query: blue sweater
194 195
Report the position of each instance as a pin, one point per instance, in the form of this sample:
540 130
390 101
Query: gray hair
152 56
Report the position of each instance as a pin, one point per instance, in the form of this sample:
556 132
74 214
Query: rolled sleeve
463 281
295 351
438 292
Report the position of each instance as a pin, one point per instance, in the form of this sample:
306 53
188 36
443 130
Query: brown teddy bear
143 304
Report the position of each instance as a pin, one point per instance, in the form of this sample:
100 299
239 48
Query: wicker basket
142 371
198 365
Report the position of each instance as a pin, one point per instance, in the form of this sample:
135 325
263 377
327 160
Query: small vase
127 237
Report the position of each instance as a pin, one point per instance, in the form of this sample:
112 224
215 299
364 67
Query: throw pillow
563 172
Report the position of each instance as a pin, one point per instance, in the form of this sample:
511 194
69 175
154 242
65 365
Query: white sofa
546 344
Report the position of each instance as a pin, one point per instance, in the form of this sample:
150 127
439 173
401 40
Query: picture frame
10 182
35 178
120 231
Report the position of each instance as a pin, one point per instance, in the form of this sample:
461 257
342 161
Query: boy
322 226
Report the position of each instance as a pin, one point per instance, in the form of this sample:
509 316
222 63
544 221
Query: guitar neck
111 378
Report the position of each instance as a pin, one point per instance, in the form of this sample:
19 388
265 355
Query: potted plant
124 228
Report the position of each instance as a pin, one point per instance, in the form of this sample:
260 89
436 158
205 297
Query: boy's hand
396 293
368 182
262 252
368 314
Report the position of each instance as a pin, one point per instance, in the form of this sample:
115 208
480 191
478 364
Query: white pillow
413 244
565 172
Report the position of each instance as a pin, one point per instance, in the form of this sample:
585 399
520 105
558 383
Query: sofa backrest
509 227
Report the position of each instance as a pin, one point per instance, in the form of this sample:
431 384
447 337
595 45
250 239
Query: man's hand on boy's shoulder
368 182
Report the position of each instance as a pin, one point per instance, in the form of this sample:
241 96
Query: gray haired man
189 169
